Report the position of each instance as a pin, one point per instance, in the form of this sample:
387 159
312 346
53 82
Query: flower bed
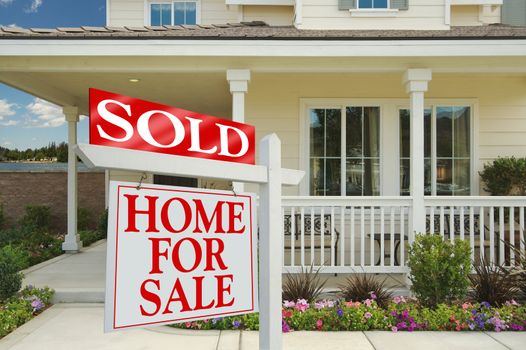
19 309
400 315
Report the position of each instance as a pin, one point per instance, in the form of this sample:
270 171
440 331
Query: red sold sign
126 122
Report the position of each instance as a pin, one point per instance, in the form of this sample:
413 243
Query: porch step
78 295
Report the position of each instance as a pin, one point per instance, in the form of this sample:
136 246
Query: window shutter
514 12
346 4
400 4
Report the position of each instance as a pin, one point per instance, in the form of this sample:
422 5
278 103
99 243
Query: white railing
494 226
346 234
372 234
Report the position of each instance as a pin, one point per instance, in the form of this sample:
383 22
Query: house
392 107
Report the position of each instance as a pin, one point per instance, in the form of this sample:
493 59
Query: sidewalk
79 327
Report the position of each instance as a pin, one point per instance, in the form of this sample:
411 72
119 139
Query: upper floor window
373 4
173 13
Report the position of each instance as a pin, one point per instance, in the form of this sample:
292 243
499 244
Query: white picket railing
494 226
357 234
372 234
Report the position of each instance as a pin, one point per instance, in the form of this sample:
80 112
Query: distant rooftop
258 30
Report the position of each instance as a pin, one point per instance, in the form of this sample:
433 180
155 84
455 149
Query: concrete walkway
79 327
76 322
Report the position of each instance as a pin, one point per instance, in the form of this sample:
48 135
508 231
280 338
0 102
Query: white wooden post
270 246
416 82
72 242
238 80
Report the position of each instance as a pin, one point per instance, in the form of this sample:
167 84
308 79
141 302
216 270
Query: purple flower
394 329
339 312
394 313
37 304
516 327
368 315
285 328
405 313
236 323
372 295
485 304
217 319
397 300
471 326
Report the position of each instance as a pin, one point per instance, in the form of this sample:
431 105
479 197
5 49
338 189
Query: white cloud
6 2
33 8
44 114
8 143
7 110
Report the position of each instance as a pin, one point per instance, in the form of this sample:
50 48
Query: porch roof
260 30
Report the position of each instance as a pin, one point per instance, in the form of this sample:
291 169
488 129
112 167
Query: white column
238 80
72 242
416 82
270 246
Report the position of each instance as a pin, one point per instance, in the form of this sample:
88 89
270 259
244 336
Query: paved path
79 327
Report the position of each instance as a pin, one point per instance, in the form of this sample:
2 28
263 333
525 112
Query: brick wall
19 189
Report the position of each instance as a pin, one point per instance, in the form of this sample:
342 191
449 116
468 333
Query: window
173 13
344 151
373 4
447 150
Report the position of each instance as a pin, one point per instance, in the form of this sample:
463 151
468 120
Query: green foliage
20 309
12 260
83 219
41 246
89 237
37 217
103 224
361 287
439 269
50 151
304 285
505 176
493 283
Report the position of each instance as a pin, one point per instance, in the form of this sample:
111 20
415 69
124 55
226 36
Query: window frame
148 10
433 104
389 140
305 138
388 6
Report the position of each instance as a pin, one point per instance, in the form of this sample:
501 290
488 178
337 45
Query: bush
89 237
304 285
2 216
37 217
505 176
103 224
493 284
83 219
439 269
362 287
41 246
12 260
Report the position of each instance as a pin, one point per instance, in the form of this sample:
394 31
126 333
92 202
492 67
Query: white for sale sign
178 254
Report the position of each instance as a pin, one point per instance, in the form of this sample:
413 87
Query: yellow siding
126 13
273 105
215 11
273 15
474 15
422 14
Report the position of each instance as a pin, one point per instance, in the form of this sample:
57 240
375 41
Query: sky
27 121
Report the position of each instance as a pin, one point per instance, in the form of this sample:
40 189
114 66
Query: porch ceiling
199 83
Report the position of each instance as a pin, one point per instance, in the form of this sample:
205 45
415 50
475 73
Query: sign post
124 139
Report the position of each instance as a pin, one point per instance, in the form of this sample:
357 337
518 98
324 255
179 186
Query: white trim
108 12
373 12
476 2
270 48
261 2
298 12
148 8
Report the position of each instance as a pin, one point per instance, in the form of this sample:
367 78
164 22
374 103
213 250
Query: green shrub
12 260
505 176
493 283
83 219
304 285
2 216
439 269
14 235
103 224
89 237
37 217
361 287
41 246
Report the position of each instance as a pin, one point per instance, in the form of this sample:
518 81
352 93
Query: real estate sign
178 254
127 122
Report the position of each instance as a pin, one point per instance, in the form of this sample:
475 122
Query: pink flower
368 302
368 315
319 324
372 295
397 300
302 305
319 305
394 329
465 306
287 303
